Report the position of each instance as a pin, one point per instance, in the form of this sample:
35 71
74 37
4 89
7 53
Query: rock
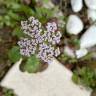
56 80
76 5
81 52
45 3
48 4
68 51
74 25
88 39
91 4
91 15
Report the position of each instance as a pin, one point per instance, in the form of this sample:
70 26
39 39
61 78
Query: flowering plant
42 40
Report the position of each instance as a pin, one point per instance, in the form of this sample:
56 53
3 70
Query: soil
93 93
6 42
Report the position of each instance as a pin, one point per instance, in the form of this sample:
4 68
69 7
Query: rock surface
91 15
91 4
76 5
88 39
48 5
81 52
74 25
54 81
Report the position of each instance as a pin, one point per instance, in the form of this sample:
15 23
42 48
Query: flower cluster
31 27
27 46
52 33
43 41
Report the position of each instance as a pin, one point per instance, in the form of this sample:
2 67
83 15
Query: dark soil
6 42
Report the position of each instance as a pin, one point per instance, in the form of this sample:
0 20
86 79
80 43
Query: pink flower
42 42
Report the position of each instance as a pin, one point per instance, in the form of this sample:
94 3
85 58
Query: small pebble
76 5
68 51
81 53
74 25
91 4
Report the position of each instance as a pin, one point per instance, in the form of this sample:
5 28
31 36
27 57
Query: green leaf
85 76
8 92
14 54
6 20
75 78
18 32
43 13
14 16
15 6
32 64
46 1
27 10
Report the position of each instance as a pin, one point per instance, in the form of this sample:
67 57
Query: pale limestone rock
91 4
88 39
54 81
74 25
76 5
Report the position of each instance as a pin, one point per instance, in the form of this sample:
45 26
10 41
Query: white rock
88 39
46 3
56 80
91 15
76 5
91 4
68 51
81 52
74 25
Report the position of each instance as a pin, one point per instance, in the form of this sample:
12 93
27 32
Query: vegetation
12 12
85 76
